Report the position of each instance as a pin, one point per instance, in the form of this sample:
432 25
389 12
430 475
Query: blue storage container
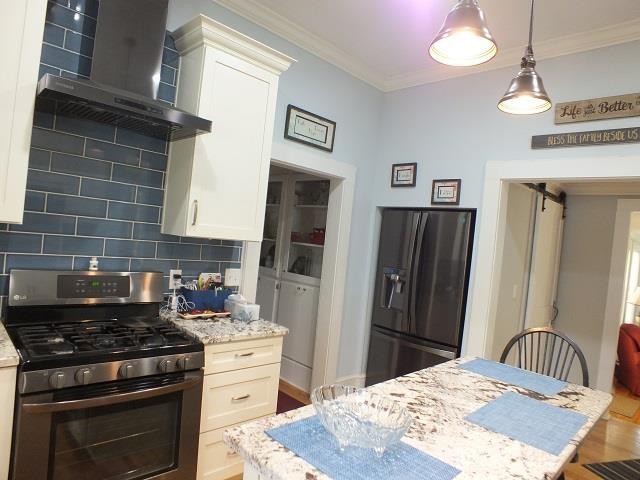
206 299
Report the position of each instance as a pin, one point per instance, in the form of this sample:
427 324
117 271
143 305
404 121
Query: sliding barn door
545 261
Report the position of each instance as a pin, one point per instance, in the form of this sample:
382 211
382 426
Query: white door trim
336 249
478 340
615 293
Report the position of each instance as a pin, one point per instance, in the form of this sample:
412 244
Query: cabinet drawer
224 357
238 396
216 461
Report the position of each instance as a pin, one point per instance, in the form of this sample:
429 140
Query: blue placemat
309 440
530 421
515 376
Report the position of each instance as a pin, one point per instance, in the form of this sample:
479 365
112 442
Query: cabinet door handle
195 212
242 397
248 354
231 453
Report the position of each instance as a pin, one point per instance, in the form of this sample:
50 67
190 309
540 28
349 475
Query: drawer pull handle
244 355
231 453
242 397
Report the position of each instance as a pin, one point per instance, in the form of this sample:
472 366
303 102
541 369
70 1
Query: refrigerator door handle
415 223
435 351
422 225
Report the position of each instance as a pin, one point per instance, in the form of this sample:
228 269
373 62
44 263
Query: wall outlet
175 279
232 277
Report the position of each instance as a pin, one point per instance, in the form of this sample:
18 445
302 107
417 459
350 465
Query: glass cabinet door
268 250
308 227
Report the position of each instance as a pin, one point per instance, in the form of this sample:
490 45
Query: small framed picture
446 192
309 128
404 174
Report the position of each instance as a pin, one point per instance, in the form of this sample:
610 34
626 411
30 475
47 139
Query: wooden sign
583 139
599 109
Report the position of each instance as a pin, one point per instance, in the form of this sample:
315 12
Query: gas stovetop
80 328
89 340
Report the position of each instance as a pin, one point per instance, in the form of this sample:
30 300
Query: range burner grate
97 336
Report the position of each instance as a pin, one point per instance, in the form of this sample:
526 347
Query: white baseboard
354 380
295 374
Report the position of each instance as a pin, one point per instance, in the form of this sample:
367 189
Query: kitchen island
438 398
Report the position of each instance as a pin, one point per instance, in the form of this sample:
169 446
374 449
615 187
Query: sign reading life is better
598 109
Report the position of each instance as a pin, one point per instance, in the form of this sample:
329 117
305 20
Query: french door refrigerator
420 292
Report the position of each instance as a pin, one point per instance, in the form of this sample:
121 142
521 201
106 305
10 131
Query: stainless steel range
106 389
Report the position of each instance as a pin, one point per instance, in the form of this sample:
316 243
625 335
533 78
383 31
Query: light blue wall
453 128
319 87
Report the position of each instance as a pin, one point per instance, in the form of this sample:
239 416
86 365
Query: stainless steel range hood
125 75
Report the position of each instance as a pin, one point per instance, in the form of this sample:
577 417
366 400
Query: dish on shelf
359 418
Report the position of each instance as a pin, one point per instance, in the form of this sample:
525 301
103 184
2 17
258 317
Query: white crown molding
580 42
274 22
303 38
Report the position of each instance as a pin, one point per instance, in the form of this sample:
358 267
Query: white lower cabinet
240 385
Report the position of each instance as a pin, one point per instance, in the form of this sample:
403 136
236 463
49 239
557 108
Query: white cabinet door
7 397
267 297
217 182
298 311
23 23
231 165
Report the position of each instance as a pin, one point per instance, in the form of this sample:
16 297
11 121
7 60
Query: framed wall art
404 174
446 192
308 128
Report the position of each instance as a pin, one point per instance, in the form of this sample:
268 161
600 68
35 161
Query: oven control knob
127 370
183 363
83 376
57 380
166 365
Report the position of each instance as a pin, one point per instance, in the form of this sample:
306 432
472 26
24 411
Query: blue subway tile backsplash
93 189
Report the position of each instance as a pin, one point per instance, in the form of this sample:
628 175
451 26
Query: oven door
128 430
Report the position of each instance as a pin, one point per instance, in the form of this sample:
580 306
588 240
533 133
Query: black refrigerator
420 295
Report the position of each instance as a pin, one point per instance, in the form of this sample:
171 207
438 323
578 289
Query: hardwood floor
294 392
610 440
622 391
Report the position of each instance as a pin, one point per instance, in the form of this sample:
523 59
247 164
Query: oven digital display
91 286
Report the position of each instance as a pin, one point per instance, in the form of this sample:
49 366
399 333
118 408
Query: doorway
290 269
335 252
481 338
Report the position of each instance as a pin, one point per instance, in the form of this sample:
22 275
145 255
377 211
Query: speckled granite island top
439 398
8 355
224 330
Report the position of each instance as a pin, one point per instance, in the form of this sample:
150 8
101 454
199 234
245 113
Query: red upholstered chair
628 369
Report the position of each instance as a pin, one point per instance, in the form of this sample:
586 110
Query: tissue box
246 312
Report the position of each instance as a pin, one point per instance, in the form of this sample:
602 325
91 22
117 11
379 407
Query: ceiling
599 187
384 42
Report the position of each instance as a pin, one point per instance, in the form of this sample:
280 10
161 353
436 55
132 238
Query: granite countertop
8 355
438 398
223 330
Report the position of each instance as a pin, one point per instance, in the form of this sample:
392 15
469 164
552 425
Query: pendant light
526 94
464 39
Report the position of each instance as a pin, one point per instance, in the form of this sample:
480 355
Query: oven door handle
51 407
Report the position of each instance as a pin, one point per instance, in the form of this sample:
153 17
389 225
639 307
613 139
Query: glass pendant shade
526 94
464 39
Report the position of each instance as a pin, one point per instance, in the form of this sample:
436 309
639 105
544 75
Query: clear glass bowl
359 418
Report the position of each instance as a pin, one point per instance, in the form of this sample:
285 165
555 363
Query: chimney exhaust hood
125 75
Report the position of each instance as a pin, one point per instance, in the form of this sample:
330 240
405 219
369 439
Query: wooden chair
546 351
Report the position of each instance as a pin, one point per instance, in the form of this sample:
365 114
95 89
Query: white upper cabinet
23 23
217 182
